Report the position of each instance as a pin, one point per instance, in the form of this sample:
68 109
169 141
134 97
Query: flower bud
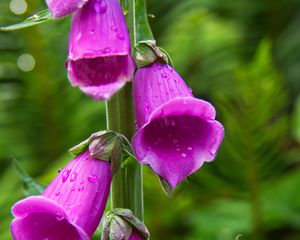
121 224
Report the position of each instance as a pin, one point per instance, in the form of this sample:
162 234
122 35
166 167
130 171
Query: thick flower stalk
71 207
177 132
61 8
99 60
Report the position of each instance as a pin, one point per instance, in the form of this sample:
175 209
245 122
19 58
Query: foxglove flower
61 8
99 60
70 208
177 132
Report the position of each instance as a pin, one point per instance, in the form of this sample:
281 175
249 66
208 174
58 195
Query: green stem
127 185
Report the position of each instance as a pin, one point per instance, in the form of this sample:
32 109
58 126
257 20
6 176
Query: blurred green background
243 56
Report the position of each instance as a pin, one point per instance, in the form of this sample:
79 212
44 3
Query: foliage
243 56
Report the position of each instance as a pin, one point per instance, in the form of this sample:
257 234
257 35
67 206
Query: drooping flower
177 132
70 208
99 60
61 8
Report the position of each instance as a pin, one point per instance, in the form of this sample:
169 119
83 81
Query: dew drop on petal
190 148
164 75
59 170
73 176
213 147
183 155
57 193
81 188
107 50
92 178
121 36
100 6
136 126
170 68
59 216
65 175
114 28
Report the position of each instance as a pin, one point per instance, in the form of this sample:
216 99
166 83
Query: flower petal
40 218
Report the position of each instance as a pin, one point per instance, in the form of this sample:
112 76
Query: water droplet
214 147
170 68
57 193
59 216
59 170
73 189
158 66
65 175
92 32
191 90
177 149
78 37
73 176
164 75
190 148
92 178
147 106
183 155
136 126
114 28
121 36
107 50
100 6
81 188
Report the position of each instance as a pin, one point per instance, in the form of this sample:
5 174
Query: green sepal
31 187
118 224
38 18
146 52
165 187
106 146
79 148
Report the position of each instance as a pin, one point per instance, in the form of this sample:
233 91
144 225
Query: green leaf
41 17
31 187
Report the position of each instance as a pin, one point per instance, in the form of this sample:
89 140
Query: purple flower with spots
61 8
99 60
70 208
177 132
